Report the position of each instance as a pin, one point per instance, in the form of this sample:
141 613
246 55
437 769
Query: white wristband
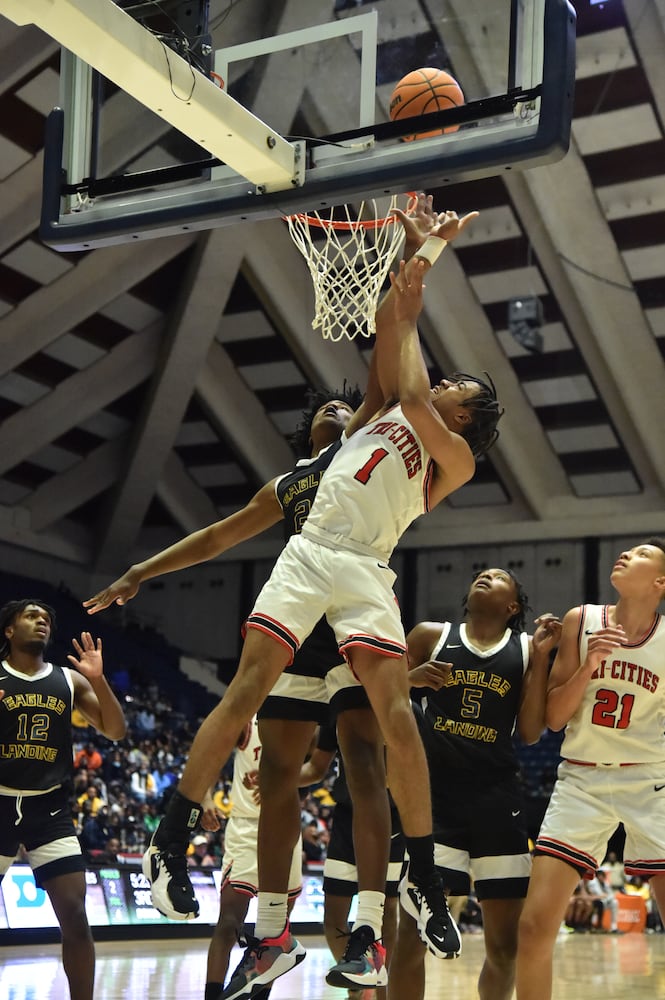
431 249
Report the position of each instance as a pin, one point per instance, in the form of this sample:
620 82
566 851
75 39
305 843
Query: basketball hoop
350 264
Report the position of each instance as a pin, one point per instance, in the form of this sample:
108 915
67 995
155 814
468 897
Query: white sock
271 914
370 911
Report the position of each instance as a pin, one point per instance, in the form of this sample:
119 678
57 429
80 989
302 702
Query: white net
348 259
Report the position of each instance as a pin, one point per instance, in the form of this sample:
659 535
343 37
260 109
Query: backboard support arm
110 40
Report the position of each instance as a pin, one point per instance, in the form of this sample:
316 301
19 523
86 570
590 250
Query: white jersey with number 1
377 484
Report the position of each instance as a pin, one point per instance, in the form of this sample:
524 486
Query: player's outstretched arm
262 511
451 453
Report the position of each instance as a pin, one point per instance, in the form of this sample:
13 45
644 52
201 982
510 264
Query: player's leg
407 962
385 680
232 912
361 745
164 864
67 895
273 950
284 746
551 885
500 920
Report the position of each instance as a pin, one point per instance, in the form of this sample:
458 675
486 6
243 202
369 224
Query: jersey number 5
605 710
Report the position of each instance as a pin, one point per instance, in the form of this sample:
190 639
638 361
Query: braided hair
12 610
315 399
481 433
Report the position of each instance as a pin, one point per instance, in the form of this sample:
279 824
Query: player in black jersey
475 682
36 767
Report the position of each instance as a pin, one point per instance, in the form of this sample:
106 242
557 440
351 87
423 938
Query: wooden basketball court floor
588 967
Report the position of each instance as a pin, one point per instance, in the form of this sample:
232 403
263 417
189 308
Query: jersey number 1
363 474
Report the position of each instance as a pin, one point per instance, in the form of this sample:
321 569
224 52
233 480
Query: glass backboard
116 170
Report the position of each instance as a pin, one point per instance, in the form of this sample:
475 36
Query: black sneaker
172 892
363 963
426 903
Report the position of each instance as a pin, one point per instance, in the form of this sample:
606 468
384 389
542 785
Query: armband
431 249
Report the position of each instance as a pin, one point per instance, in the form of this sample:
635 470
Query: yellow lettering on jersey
306 483
14 751
471 731
14 701
477 678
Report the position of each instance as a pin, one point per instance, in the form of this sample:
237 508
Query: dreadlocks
481 433
12 610
315 399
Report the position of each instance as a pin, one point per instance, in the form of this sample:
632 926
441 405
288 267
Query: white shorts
589 802
240 861
353 591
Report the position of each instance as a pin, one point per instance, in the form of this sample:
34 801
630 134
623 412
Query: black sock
421 857
213 991
180 820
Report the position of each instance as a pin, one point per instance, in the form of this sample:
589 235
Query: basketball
422 91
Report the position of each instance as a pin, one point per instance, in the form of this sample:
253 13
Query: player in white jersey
607 688
240 877
448 426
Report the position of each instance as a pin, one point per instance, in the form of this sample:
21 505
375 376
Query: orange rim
342 226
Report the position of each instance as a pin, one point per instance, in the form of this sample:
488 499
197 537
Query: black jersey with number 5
468 724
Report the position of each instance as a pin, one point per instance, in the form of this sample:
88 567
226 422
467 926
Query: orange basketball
422 91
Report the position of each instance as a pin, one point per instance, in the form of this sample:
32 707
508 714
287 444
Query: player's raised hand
548 632
119 592
89 660
449 225
419 223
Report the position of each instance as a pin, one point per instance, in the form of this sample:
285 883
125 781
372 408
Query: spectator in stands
163 777
109 856
314 842
93 797
145 722
81 783
617 875
579 910
201 856
222 801
142 785
96 831
114 767
603 899
88 757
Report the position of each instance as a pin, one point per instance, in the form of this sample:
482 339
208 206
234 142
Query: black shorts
43 824
480 833
340 874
